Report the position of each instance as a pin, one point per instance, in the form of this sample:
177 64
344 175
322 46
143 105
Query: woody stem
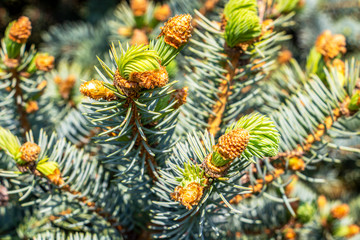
19 100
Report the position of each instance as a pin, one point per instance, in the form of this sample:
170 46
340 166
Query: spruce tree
200 120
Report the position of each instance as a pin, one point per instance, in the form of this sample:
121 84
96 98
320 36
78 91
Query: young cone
177 30
232 144
189 195
44 62
138 7
96 90
30 152
330 45
20 31
340 211
162 13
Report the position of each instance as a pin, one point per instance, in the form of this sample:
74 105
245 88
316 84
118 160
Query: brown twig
18 96
87 138
302 149
225 87
148 158
259 185
99 211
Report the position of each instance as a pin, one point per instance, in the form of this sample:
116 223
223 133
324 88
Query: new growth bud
139 37
229 147
284 56
296 164
51 171
65 86
56 178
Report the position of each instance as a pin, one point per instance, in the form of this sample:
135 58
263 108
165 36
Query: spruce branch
58 162
223 75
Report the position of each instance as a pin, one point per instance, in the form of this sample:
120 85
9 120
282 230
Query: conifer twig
18 96
225 87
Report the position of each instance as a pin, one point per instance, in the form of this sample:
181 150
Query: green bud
47 168
306 212
12 47
242 25
341 231
191 173
136 59
354 104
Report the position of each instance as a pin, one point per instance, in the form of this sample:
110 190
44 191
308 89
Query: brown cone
180 95
232 144
177 30
162 13
189 195
96 90
44 63
4 196
20 31
330 45
138 7
30 151
340 211
129 88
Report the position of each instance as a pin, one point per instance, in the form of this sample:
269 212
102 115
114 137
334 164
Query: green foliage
306 212
191 173
315 62
166 52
